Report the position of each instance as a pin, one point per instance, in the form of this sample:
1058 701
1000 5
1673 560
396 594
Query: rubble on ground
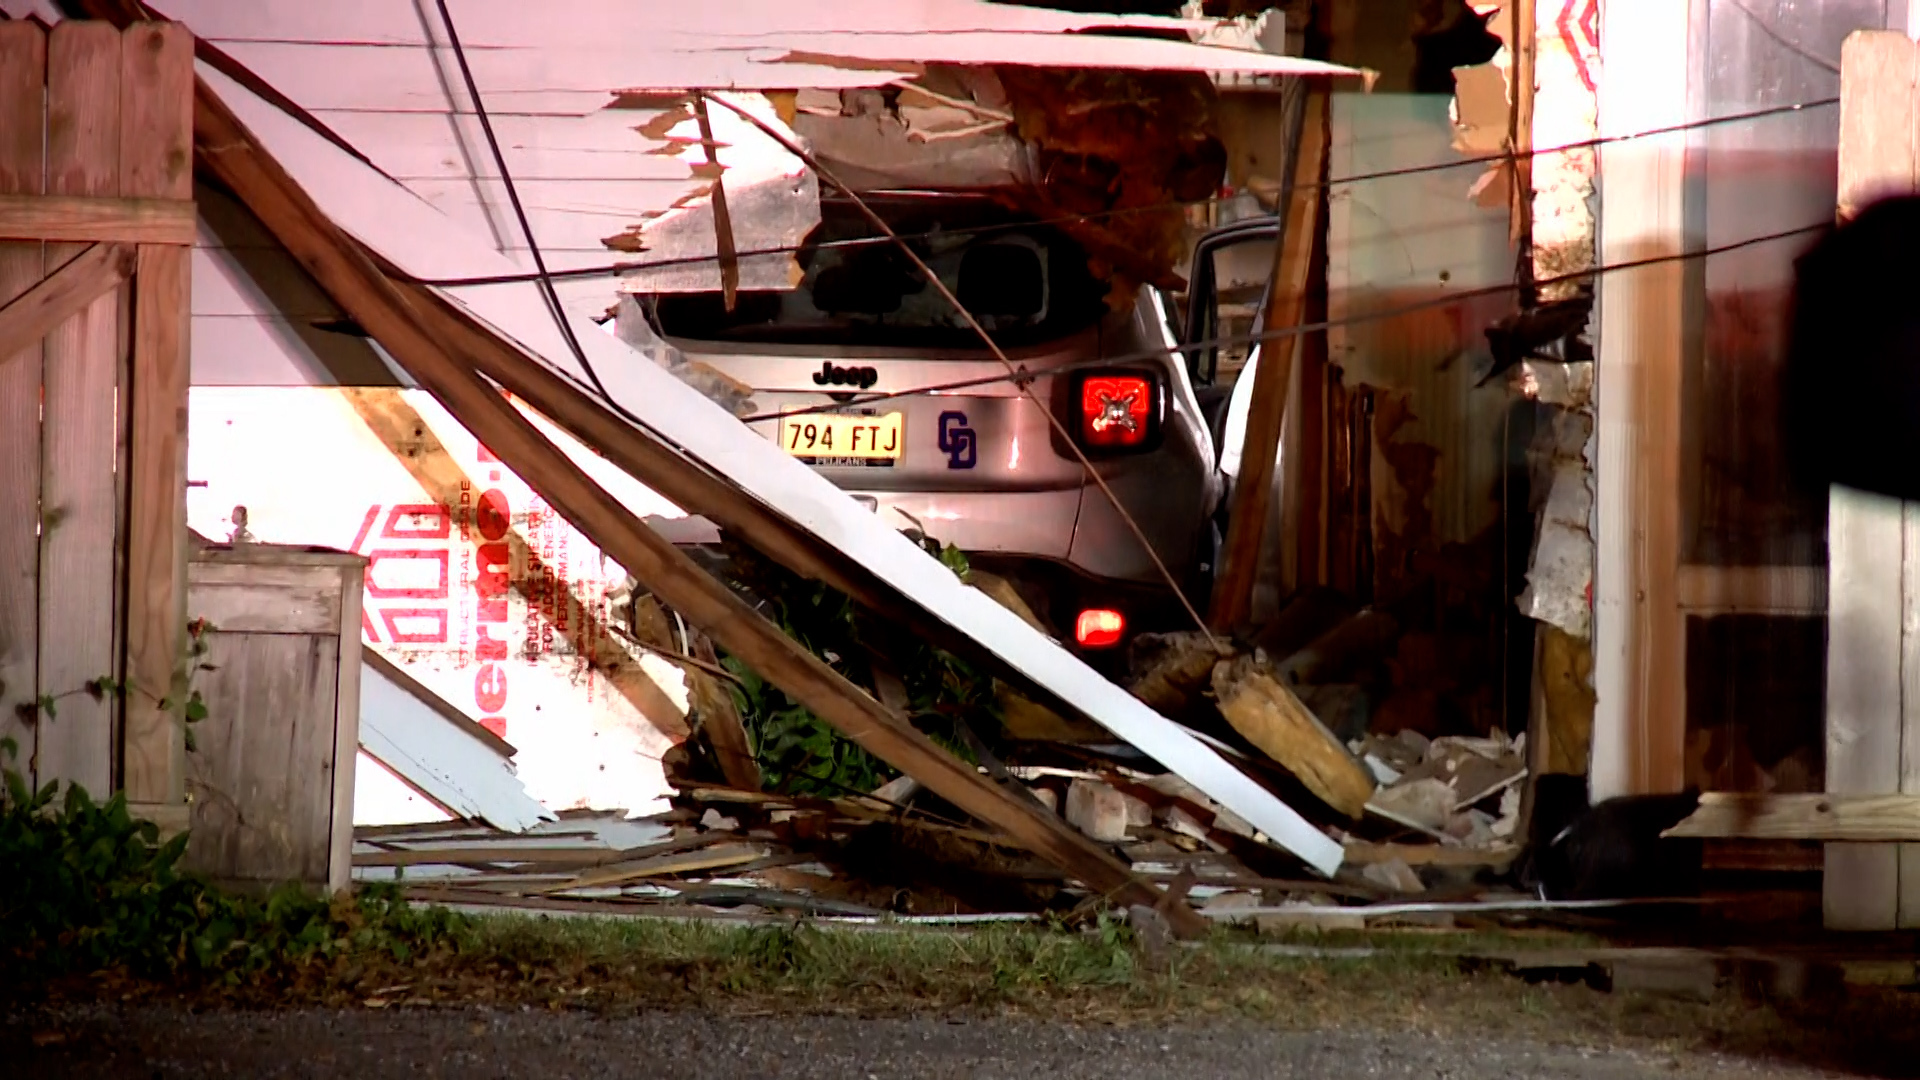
1427 820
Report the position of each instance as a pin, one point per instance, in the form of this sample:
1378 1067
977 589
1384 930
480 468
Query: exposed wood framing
61 295
1524 51
229 152
677 478
1639 633
761 476
1870 819
401 430
1872 741
87 219
1272 377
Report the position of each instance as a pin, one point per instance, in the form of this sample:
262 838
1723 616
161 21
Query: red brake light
1099 628
1115 410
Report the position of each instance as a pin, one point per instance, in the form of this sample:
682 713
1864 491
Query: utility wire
545 279
1014 372
1286 332
1106 215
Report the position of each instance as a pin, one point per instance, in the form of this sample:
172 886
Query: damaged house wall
1482 484
1438 452
587 163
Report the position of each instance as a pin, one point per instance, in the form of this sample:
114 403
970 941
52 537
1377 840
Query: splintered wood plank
396 424
1261 708
1272 378
23 69
78 507
156 162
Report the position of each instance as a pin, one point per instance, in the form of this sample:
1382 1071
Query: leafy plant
801 754
89 887
192 710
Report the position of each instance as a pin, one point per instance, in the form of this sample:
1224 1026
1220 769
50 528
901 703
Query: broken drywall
950 128
1561 569
772 202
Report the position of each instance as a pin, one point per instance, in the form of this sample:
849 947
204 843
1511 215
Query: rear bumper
1032 524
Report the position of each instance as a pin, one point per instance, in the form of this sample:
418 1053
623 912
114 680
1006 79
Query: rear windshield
1026 283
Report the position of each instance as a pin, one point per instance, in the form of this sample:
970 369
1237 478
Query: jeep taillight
1116 411
1099 628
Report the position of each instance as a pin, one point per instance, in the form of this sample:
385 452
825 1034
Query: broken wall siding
579 118
1402 241
1439 440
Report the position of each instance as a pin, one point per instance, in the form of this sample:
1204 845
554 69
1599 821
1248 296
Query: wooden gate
96 231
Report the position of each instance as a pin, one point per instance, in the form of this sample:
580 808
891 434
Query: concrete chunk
1097 810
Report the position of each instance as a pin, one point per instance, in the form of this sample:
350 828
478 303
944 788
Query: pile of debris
1424 823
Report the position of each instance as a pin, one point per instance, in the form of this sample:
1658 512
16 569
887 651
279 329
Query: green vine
193 709
800 754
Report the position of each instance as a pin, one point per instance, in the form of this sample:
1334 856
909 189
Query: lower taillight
1099 628
1116 411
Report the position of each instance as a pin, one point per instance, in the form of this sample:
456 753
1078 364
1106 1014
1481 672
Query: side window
1231 270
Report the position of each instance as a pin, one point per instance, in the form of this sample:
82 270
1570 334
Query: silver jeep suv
971 461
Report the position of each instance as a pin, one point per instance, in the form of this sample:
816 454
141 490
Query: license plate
827 437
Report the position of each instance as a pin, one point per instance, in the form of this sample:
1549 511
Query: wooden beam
228 151
642 455
1639 730
1286 308
95 219
62 295
411 441
1879 819
155 155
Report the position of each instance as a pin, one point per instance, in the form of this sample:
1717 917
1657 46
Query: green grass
1412 983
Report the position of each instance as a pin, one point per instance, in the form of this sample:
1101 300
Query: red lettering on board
490 688
411 633
418 521
487 647
491 582
436 591
493 517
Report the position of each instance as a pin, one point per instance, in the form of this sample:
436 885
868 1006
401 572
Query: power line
545 279
1104 215
1293 331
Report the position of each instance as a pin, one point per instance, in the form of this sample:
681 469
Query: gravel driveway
471 1044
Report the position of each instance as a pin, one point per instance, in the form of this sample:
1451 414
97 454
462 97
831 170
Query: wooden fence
96 228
